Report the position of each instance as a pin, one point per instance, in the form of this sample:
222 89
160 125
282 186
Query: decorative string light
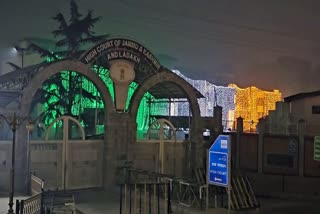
250 103
253 103
213 95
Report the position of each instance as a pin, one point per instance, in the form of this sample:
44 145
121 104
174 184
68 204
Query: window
315 109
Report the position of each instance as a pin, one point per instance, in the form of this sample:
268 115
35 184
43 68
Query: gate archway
67 158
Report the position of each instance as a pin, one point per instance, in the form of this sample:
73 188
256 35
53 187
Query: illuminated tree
62 92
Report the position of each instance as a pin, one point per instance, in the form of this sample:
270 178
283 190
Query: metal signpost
219 164
316 149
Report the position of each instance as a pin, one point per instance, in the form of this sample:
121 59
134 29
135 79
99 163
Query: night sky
270 44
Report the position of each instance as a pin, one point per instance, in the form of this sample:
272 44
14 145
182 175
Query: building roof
12 83
302 96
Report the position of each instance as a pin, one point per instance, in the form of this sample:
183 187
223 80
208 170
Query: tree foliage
60 93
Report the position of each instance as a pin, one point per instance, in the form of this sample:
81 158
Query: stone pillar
239 133
301 131
216 127
21 160
120 133
217 117
194 149
20 169
261 128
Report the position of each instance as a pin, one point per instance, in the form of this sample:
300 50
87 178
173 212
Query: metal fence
183 191
32 205
37 185
145 198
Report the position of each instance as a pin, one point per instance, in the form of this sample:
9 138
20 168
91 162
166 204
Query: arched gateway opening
62 154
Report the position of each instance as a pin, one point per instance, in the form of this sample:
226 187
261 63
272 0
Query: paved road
102 202
289 206
99 202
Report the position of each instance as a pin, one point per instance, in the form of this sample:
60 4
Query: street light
21 51
29 127
14 122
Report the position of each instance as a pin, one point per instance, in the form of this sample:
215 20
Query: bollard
135 199
165 197
145 199
17 207
130 198
154 198
158 189
21 206
125 199
169 199
42 200
121 198
140 201
149 198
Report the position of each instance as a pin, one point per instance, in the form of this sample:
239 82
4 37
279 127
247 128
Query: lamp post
14 122
21 51
29 127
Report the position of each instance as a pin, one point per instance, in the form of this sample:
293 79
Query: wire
156 19
207 36
219 22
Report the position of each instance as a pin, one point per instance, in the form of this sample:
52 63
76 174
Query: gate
169 150
65 160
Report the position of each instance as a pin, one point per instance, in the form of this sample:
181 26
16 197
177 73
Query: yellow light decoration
253 103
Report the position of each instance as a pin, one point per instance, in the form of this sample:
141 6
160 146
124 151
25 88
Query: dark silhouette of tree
63 91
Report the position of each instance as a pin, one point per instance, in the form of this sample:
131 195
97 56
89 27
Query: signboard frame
216 159
216 143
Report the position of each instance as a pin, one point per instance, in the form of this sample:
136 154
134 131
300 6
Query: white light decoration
233 100
213 96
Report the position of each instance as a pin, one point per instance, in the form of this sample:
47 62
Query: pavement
4 201
101 202
107 202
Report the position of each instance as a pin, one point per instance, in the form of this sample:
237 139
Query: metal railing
145 198
37 185
184 192
32 205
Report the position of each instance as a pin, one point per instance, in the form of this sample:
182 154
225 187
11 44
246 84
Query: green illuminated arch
164 76
56 67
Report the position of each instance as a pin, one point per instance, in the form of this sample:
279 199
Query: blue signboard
218 166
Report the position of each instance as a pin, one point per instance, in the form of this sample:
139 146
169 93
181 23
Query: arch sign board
124 49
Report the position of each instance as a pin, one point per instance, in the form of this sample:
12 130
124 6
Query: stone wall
278 164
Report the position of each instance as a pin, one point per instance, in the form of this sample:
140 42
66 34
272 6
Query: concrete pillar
301 131
217 116
21 160
194 149
262 127
120 133
239 133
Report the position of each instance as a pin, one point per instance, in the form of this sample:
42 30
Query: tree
62 92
